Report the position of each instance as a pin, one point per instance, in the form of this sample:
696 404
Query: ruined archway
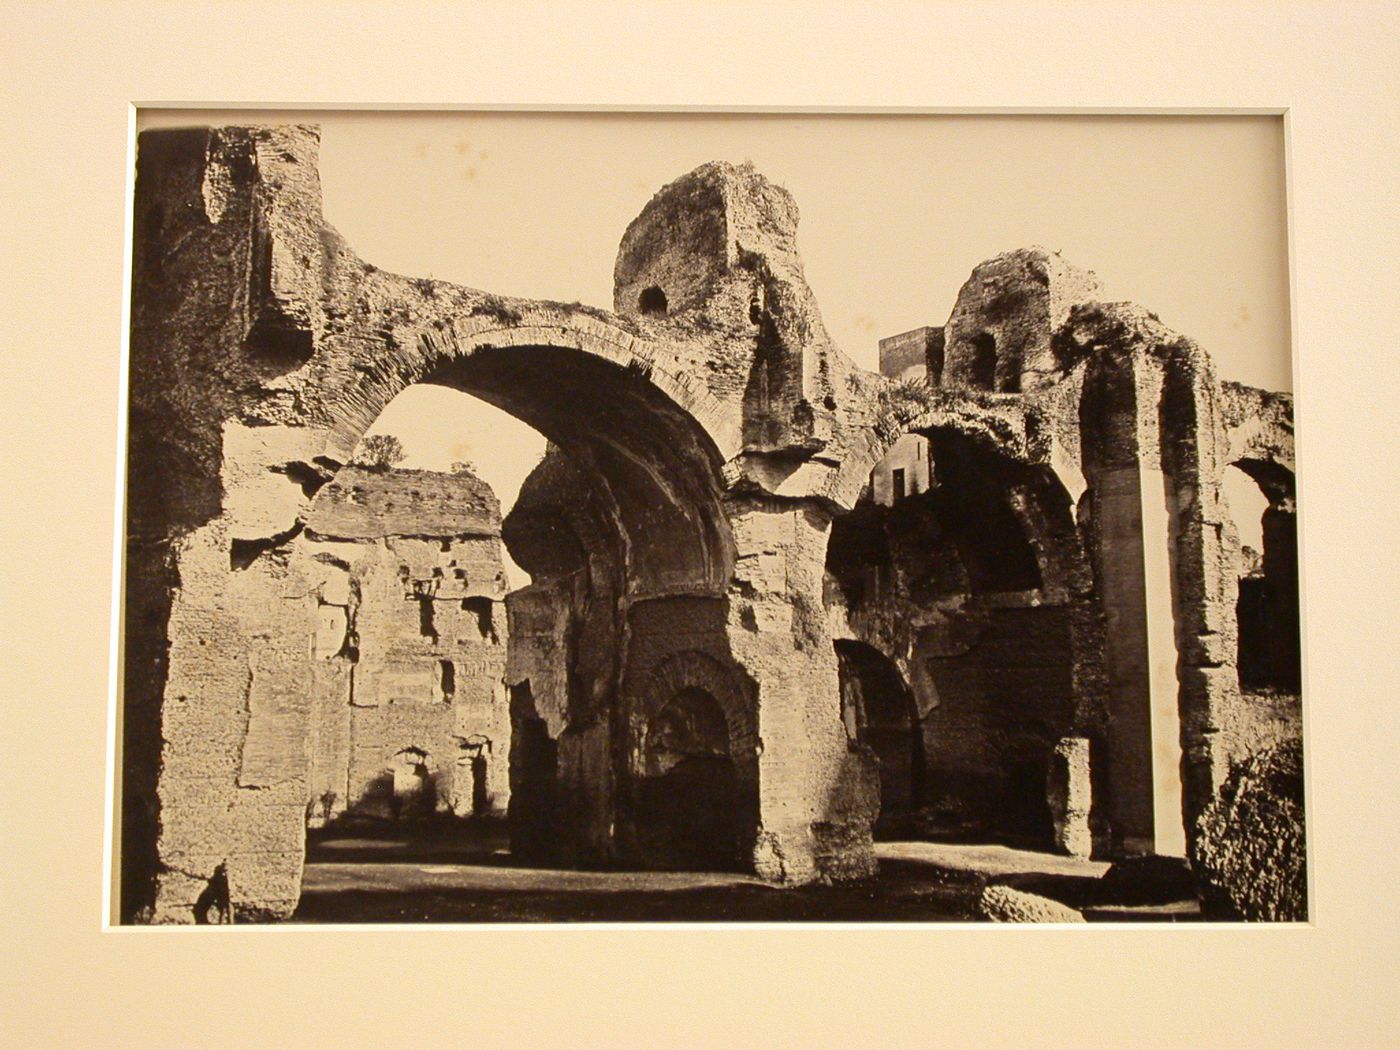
620 519
881 714
977 586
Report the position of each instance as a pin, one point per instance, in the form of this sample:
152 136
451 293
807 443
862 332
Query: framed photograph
791 534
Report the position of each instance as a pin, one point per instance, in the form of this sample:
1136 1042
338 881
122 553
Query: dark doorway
984 361
1269 658
881 707
534 771
481 798
687 800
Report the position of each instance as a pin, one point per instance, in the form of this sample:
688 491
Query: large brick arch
616 401
419 353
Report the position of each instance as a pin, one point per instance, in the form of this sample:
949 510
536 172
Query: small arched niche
652 302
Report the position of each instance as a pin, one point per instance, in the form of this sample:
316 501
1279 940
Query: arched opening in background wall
880 713
687 799
967 584
1262 502
652 302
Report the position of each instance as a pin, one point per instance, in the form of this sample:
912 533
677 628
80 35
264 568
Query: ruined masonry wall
397 694
410 643
818 789
1002 679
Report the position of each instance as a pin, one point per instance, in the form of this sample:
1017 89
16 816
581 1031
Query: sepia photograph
528 520
604 525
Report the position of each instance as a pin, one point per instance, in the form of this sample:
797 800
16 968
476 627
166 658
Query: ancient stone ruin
410 649
779 604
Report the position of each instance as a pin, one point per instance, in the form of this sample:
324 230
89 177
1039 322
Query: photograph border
274 114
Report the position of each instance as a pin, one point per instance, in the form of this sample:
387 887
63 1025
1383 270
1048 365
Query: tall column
818 790
1131 537
233 783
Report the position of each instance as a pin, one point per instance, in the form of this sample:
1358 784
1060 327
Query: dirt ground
463 873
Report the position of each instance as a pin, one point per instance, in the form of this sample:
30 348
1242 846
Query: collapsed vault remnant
772 593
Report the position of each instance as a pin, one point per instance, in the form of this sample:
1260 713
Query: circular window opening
652 301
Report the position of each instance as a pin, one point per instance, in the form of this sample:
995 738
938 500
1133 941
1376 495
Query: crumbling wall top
363 503
695 231
999 335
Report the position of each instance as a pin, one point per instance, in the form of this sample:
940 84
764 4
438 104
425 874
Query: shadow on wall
403 790
532 816
1269 657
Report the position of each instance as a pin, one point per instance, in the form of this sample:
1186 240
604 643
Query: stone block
1070 795
1249 851
1003 904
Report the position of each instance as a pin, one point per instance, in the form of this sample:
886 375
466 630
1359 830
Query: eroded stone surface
1000 335
1070 789
411 711
1003 904
1250 850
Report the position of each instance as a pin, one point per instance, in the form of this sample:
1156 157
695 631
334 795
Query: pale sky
1185 215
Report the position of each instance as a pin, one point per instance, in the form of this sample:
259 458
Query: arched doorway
686 802
880 713
981 586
